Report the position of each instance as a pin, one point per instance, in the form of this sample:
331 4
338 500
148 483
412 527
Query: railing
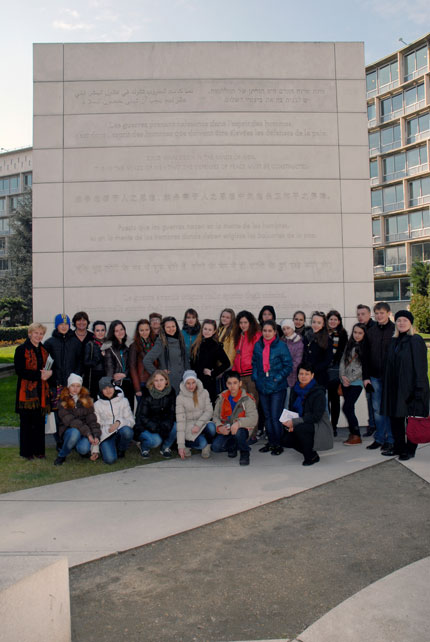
392 115
420 200
417 105
417 234
416 73
400 236
377 240
416 137
394 175
393 207
417 169
374 180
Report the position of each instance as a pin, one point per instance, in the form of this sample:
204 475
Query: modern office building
398 108
15 178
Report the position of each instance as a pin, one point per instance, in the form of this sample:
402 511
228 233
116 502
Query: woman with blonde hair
193 414
226 327
32 392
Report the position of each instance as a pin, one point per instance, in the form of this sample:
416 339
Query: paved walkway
88 519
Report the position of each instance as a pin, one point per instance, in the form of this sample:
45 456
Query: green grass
6 354
17 473
8 417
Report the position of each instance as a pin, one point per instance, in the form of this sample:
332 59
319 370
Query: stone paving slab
157 500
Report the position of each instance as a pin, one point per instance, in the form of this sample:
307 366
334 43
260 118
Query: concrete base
34 599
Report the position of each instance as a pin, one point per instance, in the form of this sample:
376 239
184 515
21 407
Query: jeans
119 441
273 406
72 438
225 443
201 441
370 410
351 394
383 426
150 440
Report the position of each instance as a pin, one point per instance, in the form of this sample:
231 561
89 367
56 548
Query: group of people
220 387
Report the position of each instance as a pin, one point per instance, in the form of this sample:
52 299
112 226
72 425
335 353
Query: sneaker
277 450
265 449
352 440
374 445
145 453
311 462
244 459
187 452
206 451
232 454
166 453
59 461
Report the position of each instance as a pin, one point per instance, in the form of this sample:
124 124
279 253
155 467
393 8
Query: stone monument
205 175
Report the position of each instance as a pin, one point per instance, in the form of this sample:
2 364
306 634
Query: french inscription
199 95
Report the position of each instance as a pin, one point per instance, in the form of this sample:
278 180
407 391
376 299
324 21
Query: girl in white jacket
116 421
193 413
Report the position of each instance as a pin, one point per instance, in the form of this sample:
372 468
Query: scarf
192 330
266 353
31 396
157 394
301 394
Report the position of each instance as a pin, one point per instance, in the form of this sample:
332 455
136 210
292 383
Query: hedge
13 334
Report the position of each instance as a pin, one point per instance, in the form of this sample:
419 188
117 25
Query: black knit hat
105 382
406 314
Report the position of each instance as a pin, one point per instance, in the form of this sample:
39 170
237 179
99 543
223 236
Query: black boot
244 459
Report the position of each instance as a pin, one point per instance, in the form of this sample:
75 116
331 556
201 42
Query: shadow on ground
266 573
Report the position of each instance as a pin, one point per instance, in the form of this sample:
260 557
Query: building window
373 169
419 191
4 226
371 113
415 63
382 79
392 290
2 205
396 228
14 184
391 107
4 185
384 140
388 199
414 98
28 180
4 265
376 230
13 203
393 167
2 246
420 252
417 128
389 259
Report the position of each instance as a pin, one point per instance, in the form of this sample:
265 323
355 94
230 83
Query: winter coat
210 355
113 361
379 340
319 358
108 411
189 338
281 365
227 343
245 410
405 387
94 367
173 361
138 373
314 405
244 350
188 415
295 345
339 337
80 415
66 350
353 370
156 415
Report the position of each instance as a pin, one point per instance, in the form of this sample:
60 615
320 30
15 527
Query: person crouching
116 421
78 422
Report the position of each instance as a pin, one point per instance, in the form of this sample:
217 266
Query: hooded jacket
188 415
66 350
110 410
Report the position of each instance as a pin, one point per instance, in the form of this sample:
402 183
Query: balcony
419 200
415 74
390 269
415 106
392 115
414 138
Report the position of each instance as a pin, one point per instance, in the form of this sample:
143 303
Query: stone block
47 234
203 95
48 270
47 166
48 132
137 130
355 197
47 62
201 197
354 162
350 60
216 162
47 200
353 129
356 230
188 232
34 599
351 95
358 264
161 60
47 98
47 303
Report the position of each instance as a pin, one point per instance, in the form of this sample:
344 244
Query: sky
378 23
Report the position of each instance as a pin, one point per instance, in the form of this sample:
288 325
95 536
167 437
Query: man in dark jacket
364 317
379 338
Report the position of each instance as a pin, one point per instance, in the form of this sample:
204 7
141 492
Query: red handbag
418 430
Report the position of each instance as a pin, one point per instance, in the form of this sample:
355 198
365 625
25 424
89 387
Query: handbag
323 439
418 430
50 425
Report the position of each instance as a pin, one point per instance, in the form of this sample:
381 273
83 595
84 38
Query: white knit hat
74 378
189 374
289 323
